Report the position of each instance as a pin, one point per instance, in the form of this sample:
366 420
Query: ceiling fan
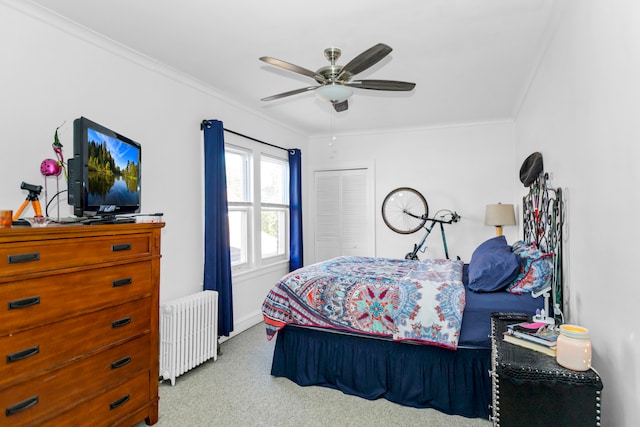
334 81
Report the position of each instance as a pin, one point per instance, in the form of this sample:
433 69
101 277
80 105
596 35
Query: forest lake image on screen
113 171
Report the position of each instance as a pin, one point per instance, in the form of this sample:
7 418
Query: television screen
113 167
104 176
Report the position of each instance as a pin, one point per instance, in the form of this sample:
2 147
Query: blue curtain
295 209
217 258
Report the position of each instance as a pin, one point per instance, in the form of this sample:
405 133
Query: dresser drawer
47 393
33 257
106 409
33 350
28 303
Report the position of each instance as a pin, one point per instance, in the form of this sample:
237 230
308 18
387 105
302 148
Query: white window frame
283 232
245 206
253 207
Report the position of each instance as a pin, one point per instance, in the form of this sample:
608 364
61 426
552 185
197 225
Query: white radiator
188 333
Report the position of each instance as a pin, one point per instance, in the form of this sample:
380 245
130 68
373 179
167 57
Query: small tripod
34 192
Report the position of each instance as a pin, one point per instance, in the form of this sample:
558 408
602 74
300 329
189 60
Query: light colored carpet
238 390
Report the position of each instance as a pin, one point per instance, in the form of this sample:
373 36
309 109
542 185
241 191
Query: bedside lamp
500 215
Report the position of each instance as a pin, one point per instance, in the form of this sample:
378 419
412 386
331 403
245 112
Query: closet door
344 212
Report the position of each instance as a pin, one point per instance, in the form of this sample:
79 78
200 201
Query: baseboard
243 324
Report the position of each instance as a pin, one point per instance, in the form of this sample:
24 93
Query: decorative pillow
493 266
536 269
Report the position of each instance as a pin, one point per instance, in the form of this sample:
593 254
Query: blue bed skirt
453 382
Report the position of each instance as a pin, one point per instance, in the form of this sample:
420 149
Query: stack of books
536 336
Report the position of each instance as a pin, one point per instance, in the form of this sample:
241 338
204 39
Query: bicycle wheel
405 210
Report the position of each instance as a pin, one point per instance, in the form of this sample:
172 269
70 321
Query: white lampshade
499 215
334 92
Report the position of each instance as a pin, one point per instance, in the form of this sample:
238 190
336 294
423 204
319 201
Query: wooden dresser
79 325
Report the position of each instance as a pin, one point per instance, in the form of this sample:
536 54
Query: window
238 177
274 197
239 199
258 220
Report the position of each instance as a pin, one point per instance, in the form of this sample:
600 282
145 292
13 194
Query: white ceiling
471 60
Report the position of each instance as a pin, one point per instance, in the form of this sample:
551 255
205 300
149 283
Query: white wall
582 114
461 168
52 73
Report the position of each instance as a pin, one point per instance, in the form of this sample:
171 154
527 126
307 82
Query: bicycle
406 211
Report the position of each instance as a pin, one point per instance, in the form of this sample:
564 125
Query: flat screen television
104 173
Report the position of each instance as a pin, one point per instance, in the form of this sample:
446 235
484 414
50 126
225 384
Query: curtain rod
207 124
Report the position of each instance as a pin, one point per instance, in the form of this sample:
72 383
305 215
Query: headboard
543 221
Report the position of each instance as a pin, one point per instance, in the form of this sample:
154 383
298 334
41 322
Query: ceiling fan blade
291 92
341 106
295 68
382 85
365 60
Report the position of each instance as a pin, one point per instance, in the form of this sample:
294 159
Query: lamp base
544 319
498 230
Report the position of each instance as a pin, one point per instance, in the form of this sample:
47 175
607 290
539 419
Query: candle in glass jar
573 349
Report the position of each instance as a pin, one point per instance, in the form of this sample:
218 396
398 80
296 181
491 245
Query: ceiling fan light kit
334 81
334 92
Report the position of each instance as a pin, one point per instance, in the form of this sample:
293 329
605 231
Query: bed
413 332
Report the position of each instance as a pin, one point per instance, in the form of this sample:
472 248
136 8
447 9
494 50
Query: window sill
259 271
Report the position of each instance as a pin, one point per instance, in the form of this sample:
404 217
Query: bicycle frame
413 255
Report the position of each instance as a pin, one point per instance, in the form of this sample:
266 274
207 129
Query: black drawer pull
19 407
121 322
124 399
23 354
120 363
24 302
121 247
17 259
122 282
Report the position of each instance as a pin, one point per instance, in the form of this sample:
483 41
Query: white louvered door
344 212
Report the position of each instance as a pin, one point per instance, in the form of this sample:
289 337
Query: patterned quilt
403 299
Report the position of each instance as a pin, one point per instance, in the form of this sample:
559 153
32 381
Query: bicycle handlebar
455 217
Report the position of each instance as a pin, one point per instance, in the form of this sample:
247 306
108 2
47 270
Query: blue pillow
493 266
